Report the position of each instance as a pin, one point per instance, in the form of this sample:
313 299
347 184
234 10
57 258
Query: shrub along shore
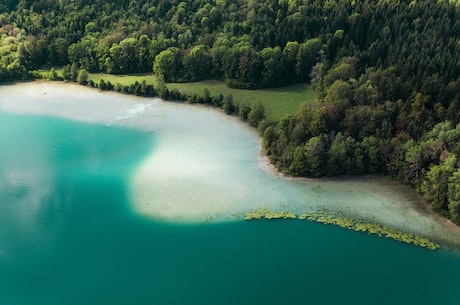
284 115
255 116
347 223
275 102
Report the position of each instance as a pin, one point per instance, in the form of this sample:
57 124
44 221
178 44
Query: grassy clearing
124 80
277 101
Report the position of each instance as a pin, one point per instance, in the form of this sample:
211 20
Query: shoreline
379 184
414 199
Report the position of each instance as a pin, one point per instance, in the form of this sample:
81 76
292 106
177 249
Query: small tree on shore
256 115
243 111
53 74
229 106
82 77
74 72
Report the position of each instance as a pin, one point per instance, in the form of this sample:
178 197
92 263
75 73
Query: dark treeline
246 43
386 72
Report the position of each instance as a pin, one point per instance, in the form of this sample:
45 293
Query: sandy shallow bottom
206 166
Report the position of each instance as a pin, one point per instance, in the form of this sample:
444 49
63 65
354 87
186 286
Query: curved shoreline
123 111
415 201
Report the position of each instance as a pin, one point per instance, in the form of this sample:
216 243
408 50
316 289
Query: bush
243 111
82 78
256 115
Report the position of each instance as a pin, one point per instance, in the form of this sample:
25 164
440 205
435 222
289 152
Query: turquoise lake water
70 234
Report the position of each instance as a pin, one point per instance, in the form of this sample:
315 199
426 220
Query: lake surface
111 199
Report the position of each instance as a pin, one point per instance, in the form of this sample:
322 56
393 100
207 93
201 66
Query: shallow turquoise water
69 235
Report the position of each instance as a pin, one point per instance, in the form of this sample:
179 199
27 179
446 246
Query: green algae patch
371 228
347 223
268 214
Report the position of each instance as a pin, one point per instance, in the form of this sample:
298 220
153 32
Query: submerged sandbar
206 166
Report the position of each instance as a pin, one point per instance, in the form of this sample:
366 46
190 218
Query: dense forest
387 73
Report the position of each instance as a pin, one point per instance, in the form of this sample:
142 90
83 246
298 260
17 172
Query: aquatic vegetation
371 228
267 214
347 223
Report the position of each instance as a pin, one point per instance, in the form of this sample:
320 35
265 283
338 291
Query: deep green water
69 235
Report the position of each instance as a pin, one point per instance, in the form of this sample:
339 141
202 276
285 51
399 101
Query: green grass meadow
276 101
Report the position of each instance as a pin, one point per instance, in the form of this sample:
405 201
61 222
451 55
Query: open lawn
276 101
123 79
